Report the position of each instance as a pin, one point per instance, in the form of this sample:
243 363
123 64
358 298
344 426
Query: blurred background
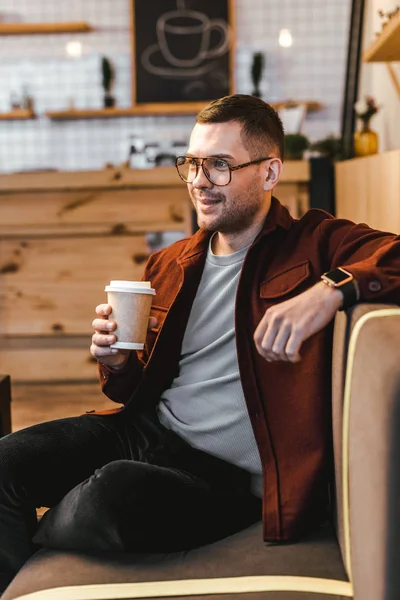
303 44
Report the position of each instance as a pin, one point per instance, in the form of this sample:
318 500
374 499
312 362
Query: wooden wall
368 190
63 237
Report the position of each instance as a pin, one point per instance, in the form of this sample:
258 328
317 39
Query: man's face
235 207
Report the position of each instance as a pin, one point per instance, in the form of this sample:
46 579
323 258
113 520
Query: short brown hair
262 129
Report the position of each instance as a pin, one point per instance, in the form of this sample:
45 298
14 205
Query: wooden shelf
19 114
43 28
386 47
312 106
190 108
108 113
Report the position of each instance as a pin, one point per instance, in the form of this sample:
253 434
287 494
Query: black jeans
114 483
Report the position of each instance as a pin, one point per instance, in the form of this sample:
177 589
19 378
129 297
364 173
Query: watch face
339 276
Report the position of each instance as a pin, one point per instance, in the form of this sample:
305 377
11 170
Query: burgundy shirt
289 404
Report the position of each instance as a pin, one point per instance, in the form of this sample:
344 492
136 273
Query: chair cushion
242 554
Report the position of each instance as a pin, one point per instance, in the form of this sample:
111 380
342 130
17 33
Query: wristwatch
344 281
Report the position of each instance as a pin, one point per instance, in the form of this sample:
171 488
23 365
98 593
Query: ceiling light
285 38
74 49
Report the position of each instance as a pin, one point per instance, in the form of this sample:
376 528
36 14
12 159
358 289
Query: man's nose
201 181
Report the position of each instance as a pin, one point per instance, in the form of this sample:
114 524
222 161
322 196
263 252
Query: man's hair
262 129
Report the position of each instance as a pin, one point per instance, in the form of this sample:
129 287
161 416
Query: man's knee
88 517
119 477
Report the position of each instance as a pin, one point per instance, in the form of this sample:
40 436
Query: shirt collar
278 216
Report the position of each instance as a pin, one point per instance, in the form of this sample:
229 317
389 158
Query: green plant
108 74
330 146
295 145
256 72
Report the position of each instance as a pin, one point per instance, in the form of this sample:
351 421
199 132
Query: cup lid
119 285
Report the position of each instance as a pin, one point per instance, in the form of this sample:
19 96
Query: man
227 417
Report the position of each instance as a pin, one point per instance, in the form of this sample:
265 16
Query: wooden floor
35 403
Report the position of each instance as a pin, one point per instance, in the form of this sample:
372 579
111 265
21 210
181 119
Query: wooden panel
368 190
53 285
384 191
352 189
49 364
295 171
119 178
288 195
35 403
95 211
114 178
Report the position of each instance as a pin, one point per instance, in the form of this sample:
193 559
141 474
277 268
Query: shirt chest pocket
287 283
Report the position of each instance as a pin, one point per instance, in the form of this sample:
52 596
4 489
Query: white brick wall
313 68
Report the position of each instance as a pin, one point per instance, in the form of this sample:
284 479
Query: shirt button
374 286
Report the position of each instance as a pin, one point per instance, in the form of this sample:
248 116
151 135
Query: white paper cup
131 304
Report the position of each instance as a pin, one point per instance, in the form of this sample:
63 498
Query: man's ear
273 174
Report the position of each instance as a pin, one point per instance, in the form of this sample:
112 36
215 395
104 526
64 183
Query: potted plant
256 72
365 140
108 73
330 146
295 145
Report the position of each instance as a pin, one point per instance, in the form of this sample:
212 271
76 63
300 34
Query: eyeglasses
217 170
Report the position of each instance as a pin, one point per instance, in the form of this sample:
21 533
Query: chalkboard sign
182 52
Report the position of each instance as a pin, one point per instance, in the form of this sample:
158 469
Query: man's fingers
100 339
103 310
268 340
278 349
152 322
100 352
278 339
104 325
293 346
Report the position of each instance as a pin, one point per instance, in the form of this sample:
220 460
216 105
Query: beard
234 214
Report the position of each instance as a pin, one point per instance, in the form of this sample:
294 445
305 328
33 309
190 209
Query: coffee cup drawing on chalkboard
183 48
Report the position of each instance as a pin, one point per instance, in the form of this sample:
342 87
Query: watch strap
349 290
350 294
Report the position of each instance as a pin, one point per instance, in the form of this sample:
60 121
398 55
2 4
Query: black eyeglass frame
230 167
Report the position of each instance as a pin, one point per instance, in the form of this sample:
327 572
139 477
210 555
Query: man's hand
103 338
284 327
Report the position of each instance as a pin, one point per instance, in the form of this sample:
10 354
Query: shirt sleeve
372 256
119 385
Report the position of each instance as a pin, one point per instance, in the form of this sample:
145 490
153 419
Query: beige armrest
371 456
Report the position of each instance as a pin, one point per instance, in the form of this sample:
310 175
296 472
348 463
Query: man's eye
221 164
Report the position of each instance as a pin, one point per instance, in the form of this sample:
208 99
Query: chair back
366 422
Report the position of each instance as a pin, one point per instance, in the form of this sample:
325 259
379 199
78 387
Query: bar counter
64 235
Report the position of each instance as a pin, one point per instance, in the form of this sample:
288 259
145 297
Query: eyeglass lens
215 169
